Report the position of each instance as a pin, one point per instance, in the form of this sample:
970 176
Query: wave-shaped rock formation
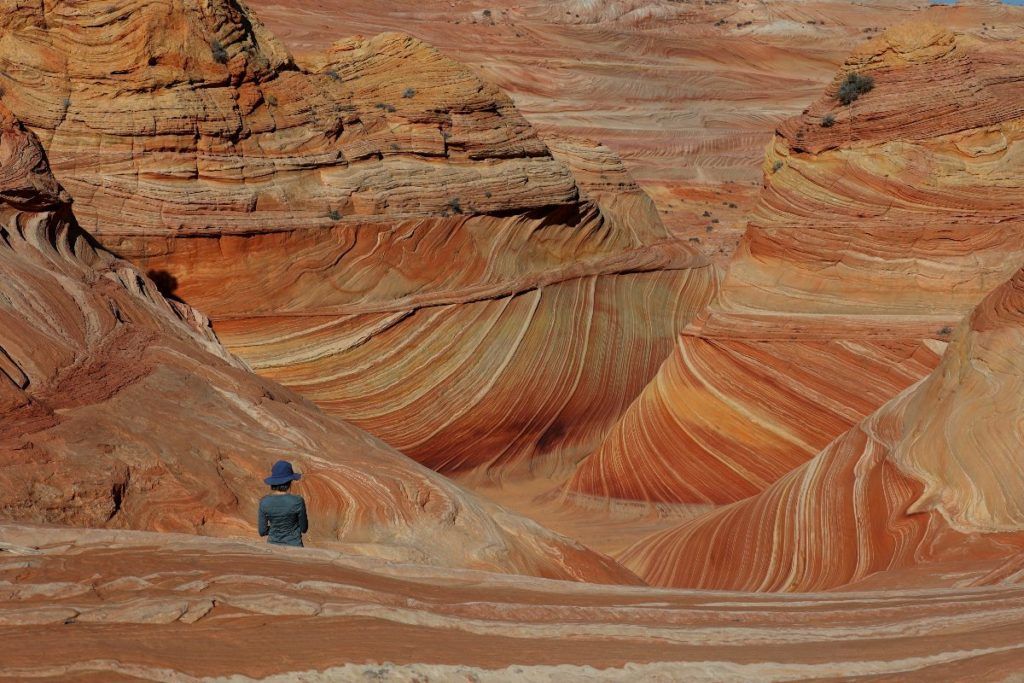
376 227
101 605
880 225
936 475
120 408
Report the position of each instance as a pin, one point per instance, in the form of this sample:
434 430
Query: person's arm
303 520
264 527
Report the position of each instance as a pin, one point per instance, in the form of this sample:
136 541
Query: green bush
827 121
220 55
853 87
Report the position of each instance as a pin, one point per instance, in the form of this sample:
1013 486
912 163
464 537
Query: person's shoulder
265 499
297 499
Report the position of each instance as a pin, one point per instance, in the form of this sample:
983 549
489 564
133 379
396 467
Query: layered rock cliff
935 475
880 224
119 408
376 227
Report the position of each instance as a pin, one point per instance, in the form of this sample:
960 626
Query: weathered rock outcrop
119 408
688 93
377 227
872 238
937 474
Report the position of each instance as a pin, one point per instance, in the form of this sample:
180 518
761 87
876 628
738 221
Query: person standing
282 515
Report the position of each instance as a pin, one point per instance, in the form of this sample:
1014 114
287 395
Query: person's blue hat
282 473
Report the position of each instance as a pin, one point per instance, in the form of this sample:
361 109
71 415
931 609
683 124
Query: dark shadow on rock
166 283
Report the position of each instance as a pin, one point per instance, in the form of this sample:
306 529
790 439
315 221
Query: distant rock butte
933 476
871 239
119 408
375 226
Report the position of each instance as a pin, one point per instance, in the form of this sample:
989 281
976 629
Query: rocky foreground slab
110 606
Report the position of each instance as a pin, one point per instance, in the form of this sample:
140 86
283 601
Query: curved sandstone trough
119 408
935 475
872 238
374 226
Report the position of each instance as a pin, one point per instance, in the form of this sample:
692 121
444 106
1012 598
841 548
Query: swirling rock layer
376 227
872 237
98 605
725 418
119 408
934 475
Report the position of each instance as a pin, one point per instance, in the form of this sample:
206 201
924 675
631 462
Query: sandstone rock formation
937 474
119 408
872 237
169 607
375 227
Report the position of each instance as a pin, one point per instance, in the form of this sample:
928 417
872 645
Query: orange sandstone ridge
373 226
121 409
871 239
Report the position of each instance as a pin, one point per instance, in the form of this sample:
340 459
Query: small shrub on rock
220 55
828 121
853 87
